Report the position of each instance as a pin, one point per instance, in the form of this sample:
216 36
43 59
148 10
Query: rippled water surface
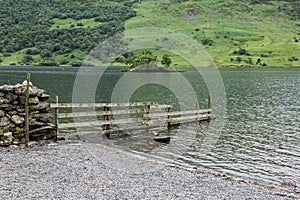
259 142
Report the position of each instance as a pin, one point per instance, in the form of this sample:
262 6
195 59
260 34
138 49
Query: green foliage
35 26
207 41
146 57
241 51
32 51
239 59
27 58
166 60
293 58
46 54
49 62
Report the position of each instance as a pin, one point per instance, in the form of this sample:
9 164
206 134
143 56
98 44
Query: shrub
239 59
293 58
258 60
32 51
48 63
241 52
27 58
207 41
166 60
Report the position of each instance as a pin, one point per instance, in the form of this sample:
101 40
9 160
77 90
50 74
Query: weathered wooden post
208 107
27 111
148 116
168 110
197 108
56 118
106 127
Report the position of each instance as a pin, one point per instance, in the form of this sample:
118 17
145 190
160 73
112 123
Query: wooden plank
135 128
194 117
100 113
79 124
101 123
176 124
166 114
161 106
42 129
130 120
178 119
108 131
98 105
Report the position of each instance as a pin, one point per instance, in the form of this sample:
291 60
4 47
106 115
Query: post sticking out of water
56 117
197 108
27 111
106 118
208 107
169 109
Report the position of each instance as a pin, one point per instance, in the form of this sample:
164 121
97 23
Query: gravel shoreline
86 171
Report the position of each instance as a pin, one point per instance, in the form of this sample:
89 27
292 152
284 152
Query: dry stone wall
12 114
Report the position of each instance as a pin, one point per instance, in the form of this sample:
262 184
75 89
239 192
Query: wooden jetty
111 118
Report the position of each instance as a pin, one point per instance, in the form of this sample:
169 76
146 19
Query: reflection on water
261 137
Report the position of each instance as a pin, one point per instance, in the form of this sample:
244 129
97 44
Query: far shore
176 67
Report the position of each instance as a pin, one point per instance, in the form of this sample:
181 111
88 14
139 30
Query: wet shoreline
79 170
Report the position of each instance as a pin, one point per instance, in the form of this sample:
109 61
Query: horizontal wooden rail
178 119
142 121
96 132
197 117
102 122
98 105
110 112
188 112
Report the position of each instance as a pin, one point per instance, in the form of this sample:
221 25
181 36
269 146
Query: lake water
260 139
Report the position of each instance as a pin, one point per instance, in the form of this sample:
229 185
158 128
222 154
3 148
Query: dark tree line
27 24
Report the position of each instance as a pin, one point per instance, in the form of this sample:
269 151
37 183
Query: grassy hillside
234 33
255 33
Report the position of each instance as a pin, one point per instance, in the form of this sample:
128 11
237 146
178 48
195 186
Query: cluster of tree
26 25
148 59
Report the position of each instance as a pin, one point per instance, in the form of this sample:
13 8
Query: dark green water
259 142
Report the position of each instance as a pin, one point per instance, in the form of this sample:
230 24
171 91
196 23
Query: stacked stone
12 114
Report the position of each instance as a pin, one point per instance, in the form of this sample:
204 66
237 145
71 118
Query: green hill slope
235 33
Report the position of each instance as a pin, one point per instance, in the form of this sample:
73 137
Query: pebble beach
79 170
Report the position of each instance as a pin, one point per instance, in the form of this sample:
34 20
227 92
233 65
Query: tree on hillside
166 60
27 58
